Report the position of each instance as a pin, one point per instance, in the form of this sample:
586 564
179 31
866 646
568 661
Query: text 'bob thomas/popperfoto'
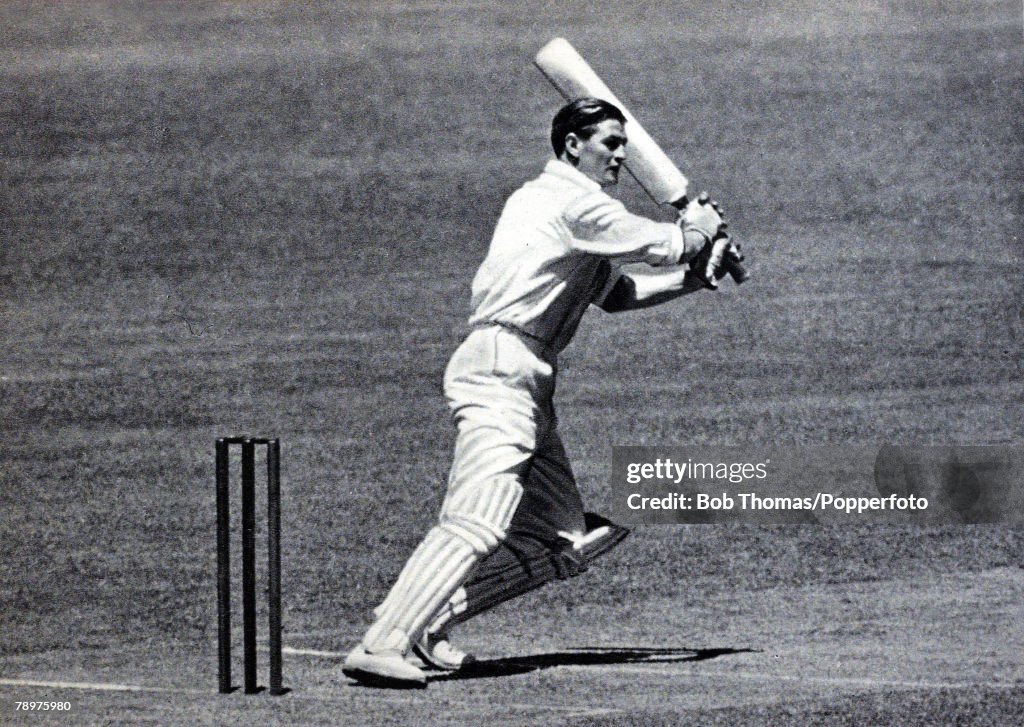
751 501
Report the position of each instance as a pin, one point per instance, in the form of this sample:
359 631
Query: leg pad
526 561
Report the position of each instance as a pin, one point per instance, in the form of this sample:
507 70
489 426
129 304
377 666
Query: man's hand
719 257
702 215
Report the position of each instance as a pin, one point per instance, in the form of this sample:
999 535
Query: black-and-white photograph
512 363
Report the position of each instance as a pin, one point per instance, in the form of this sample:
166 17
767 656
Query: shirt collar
570 173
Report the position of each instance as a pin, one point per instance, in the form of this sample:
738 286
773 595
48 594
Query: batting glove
702 215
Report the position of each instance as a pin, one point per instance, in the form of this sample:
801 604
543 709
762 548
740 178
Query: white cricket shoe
384 669
437 651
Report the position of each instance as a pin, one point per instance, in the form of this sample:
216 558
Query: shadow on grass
584 656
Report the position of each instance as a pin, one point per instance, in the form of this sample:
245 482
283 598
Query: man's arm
635 290
601 225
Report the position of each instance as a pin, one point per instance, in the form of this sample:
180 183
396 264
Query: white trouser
499 386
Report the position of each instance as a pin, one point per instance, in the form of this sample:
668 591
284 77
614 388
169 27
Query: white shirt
553 252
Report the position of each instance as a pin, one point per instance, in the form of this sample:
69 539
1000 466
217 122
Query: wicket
248 562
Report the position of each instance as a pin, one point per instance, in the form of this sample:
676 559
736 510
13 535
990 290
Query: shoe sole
383 671
384 681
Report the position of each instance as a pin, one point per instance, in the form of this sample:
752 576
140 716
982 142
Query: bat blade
649 165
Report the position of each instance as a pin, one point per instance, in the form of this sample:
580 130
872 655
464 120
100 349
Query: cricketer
513 518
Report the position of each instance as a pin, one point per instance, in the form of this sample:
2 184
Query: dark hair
581 116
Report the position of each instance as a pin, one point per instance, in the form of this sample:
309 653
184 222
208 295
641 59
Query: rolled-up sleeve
601 225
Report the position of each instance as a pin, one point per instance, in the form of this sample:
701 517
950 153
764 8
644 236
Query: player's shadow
584 656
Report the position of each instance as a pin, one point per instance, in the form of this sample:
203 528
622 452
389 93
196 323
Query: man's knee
480 513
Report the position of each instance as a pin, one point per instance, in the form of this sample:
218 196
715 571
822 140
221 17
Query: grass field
263 217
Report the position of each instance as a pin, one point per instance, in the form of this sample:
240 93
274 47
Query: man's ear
572 147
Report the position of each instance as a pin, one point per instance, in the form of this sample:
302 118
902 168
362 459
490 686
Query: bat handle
736 270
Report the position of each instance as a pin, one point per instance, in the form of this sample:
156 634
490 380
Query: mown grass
264 218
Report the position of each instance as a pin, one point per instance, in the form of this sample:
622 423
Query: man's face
600 157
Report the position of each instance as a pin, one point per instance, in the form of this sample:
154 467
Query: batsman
513 518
